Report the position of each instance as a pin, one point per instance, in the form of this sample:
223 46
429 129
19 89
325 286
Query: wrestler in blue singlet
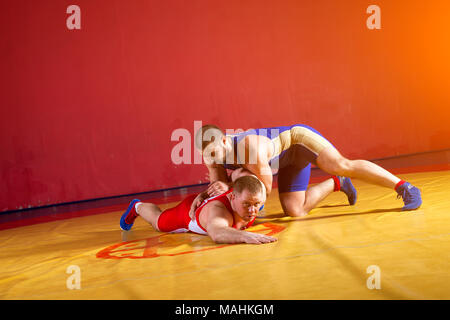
293 164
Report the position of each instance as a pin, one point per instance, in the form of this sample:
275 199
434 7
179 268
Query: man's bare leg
299 203
331 161
149 212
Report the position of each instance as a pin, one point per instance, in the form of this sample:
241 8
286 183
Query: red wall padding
89 113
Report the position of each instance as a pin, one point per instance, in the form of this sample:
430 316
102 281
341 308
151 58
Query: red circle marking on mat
153 247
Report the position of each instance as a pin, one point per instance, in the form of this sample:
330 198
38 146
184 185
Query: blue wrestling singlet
295 148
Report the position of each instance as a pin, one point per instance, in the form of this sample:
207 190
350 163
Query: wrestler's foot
348 188
127 219
411 196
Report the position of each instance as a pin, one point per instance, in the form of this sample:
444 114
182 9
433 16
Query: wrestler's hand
256 238
217 187
196 203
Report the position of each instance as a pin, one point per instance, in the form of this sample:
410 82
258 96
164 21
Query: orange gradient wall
89 113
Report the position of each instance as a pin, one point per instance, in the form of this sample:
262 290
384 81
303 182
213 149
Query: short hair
200 142
250 183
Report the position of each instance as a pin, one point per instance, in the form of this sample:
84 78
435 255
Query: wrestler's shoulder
215 208
214 202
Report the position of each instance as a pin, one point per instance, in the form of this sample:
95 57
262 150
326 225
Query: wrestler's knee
343 167
296 212
336 164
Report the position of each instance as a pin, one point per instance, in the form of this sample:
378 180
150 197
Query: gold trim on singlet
302 136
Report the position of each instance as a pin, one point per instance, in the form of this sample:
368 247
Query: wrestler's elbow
218 239
217 236
267 184
213 233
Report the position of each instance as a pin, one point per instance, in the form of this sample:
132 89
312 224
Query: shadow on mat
95 240
277 217
332 206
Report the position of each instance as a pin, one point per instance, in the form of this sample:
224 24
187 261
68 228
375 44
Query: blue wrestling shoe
127 219
348 188
411 196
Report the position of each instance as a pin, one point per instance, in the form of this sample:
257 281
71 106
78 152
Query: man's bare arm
257 153
264 173
219 184
197 202
217 172
218 225
220 187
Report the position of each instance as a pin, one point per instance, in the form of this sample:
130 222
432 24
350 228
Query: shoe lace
407 196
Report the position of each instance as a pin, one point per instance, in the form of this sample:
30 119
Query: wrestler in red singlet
177 219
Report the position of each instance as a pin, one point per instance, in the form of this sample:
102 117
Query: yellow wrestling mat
329 254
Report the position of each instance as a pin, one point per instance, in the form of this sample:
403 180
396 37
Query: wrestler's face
247 205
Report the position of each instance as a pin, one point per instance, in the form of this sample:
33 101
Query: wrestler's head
211 141
247 197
